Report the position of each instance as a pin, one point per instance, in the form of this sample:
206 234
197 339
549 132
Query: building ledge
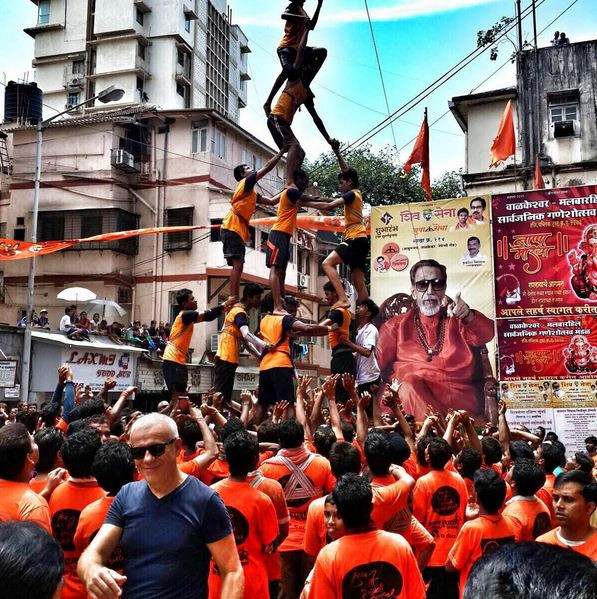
128 34
138 70
33 31
142 6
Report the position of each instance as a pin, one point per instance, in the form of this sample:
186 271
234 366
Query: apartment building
140 167
169 53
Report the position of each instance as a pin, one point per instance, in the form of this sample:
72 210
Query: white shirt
65 323
367 368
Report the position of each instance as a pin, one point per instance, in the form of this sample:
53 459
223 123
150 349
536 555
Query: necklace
437 348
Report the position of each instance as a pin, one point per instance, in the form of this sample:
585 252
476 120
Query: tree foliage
381 180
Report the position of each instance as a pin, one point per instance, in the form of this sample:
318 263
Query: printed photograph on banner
526 394
431 275
560 346
545 246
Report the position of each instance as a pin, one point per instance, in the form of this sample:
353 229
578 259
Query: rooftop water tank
22 103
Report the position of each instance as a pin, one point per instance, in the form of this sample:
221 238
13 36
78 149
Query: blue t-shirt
164 540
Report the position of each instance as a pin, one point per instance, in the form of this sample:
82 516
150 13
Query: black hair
28 419
239 170
520 449
350 174
470 460
15 445
323 439
439 453
267 303
378 452
482 200
344 458
233 425
473 239
68 309
329 498
591 439
585 463
251 290
49 441
49 414
87 408
372 307
190 433
541 430
562 449
290 300
182 296
298 175
584 479
532 571
429 263
462 210
400 450
490 490
268 432
421 446
528 476
78 452
347 431
353 497
113 466
242 453
492 450
31 561
551 436
292 434
551 456
329 287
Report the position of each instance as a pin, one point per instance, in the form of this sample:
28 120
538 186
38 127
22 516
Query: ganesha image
580 355
584 265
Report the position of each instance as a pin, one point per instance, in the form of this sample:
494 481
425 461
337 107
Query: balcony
43 28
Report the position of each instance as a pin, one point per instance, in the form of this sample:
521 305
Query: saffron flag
539 183
504 145
420 155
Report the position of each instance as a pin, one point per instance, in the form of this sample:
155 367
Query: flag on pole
420 155
504 145
539 182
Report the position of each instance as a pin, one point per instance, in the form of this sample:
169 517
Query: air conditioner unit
302 281
75 81
213 343
570 128
123 159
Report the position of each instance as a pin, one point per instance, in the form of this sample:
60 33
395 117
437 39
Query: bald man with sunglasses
430 348
168 525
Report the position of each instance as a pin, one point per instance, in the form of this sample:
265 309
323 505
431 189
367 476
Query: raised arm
329 388
503 428
301 412
113 412
362 419
315 17
341 162
269 165
310 330
209 443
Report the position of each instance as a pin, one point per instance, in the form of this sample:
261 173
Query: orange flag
539 182
420 155
504 145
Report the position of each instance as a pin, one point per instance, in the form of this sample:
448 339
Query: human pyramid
348 490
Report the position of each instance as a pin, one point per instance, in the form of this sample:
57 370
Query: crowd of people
214 500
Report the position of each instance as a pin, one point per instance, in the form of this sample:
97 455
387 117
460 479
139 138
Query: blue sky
418 40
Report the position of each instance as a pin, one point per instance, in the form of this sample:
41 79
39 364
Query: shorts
281 131
366 387
342 361
276 384
224 377
354 252
277 251
176 376
287 57
234 246
313 60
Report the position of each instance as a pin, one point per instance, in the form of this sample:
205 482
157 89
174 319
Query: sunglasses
156 450
436 284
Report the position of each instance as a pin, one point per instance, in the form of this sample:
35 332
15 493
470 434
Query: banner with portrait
545 250
457 234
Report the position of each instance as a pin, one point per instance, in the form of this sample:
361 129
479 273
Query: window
180 57
187 24
140 84
73 99
180 89
19 235
43 12
91 223
263 236
52 226
20 221
125 295
256 161
179 217
3 230
564 113
78 67
214 232
199 137
139 16
219 145
141 51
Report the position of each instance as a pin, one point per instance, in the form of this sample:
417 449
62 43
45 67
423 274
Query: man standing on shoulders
234 232
236 327
365 562
168 524
174 365
575 500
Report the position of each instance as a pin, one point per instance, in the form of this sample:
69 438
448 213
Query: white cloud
402 9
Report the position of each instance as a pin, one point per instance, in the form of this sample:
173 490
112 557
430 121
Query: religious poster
545 251
431 341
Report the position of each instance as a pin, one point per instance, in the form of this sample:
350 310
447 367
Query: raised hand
246 398
458 308
279 410
349 383
329 386
364 401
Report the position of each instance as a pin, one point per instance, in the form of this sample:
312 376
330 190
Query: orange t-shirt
369 564
66 503
273 489
530 516
293 31
417 536
255 526
319 473
439 504
482 535
545 494
218 470
19 502
243 204
588 548
90 521
179 341
37 486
